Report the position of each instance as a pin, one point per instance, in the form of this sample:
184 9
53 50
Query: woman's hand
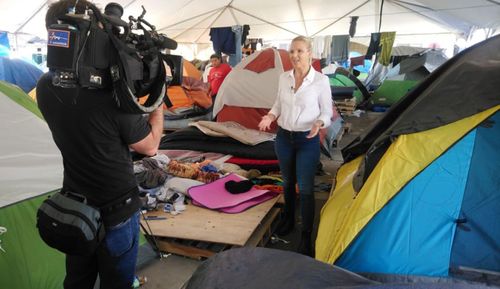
266 121
315 129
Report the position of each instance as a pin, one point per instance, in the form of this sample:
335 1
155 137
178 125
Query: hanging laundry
340 48
374 46
355 61
244 34
252 43
223 40
318 46
386 43
235 58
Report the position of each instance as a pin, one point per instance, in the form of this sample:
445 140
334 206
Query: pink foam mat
215 196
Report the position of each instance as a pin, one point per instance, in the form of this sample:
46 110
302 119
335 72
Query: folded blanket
234 130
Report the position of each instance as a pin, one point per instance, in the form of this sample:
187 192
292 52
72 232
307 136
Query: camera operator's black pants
114 261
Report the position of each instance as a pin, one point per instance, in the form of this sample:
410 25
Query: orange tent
192 91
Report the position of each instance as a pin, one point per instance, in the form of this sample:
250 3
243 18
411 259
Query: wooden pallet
346 106
199 233
200 249
346 128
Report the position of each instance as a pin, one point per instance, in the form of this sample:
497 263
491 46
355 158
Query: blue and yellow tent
419 193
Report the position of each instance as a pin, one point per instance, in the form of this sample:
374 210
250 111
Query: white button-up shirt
297 111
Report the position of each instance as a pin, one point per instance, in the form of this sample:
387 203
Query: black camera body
79 53
99 51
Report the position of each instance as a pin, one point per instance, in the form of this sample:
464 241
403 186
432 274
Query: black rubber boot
305 245
307 212
287 223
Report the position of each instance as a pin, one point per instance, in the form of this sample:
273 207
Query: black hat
113 13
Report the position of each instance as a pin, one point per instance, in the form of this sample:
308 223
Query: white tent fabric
31 164
239 87
189 21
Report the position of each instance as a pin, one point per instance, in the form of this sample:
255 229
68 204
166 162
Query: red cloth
245 161
355 61
316 64
263 61
216 76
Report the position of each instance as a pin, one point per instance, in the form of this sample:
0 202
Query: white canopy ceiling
190 20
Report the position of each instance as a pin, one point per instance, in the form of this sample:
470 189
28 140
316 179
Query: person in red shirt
217 73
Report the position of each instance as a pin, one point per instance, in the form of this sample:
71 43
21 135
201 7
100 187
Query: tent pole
234 17
128 4
15 40
196 24
190 18
302 16
210 26
185 5
340 18
494 2
380 16
416 5
32 16
395 2
263 20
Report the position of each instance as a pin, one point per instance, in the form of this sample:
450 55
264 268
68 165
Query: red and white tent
250 89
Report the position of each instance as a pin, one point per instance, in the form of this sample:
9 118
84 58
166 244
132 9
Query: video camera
96 51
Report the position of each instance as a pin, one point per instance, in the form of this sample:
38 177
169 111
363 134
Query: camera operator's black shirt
93 136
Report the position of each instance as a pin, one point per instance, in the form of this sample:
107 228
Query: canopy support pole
398 3
31 17
190 18
302 17
218 16
263 20
342 17
196 24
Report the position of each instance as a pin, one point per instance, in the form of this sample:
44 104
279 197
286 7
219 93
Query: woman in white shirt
303 106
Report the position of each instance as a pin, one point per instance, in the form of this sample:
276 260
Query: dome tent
424 179
19 72
248 93
31 168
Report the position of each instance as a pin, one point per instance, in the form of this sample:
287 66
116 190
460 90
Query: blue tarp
20 73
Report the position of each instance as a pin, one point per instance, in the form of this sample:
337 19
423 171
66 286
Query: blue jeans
298 158
114 261
235 58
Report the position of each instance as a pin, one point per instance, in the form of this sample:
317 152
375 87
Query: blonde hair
304 39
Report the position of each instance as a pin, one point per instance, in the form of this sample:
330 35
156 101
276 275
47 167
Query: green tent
339 81
391 91
31 168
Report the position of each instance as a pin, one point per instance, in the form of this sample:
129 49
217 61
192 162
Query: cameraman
94 138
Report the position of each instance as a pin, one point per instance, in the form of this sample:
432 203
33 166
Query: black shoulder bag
67 223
